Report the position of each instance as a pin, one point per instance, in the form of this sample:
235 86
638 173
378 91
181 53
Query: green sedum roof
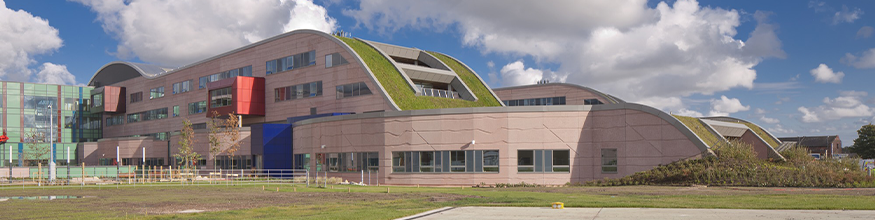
700 130
404 96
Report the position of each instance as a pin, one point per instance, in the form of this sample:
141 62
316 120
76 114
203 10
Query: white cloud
687 112
864 61
781 130
769 120
514 74
178 32
865 32
51 73
624 48
847 15
23 36
847 105
782 100
825 74
725 106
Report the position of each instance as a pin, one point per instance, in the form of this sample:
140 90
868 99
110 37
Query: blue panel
20 154
276 142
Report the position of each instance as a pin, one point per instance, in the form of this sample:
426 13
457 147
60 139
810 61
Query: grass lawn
299 202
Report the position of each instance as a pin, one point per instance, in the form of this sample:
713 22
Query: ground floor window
543 161
302 161
609 160
469 161
353 162
238 162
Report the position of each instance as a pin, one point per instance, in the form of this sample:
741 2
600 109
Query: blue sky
793 67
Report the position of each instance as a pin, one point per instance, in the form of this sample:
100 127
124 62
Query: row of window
592 102
155 93
153 114
115 120
181 87
300 91
244 71
349 162
543 161
445 161
220 97
334 59
352 90
536 101
291 62
197 107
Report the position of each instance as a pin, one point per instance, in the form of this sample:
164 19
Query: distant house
820 146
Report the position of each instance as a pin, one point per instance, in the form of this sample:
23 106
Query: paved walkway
636 213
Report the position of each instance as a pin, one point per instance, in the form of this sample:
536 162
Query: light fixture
472 142
323 146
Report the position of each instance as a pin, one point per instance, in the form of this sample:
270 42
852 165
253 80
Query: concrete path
636 213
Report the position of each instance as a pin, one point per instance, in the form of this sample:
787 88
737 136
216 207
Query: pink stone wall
574 95
642 140
760 147
256 56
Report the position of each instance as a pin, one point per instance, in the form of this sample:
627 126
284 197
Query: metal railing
440 93
168 175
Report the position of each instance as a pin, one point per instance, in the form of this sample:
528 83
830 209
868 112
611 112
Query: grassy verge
700 130
401 93
299 202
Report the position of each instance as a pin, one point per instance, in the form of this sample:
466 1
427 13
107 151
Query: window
115 120
290 62
426 161
181 87
592 102
298 91
536 101
352 90
490 161
175 111
154 114
457 161
220 97
561 161
333 162
136 97
98 100
197 107
302 161
525 161
244 71
398 162
155 93
334 59
556 161
609 160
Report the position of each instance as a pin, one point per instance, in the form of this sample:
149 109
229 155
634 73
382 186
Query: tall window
155 93
97 100
291 62
220 97
181 87
136 97
197 107
175 111
609 160
398 162
334 59
352 90
457 161
426 161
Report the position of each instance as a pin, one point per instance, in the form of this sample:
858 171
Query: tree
37 150
864 145
215 125
186 146
231 134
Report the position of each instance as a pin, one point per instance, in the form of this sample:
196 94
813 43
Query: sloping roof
812 141
118 71
727 129
610 99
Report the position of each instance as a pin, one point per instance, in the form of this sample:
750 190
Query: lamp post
52 166
68 164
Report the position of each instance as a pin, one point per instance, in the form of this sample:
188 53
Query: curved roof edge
772 149
705 150
615 100
147 70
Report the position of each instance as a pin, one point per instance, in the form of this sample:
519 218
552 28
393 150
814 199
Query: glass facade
25 113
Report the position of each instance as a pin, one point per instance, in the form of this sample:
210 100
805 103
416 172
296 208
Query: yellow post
39 173
83 173
171 173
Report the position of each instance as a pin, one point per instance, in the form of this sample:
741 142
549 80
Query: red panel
114 99
247 97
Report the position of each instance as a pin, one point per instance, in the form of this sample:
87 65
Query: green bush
735 165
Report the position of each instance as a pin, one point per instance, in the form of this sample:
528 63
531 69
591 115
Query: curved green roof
401 92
